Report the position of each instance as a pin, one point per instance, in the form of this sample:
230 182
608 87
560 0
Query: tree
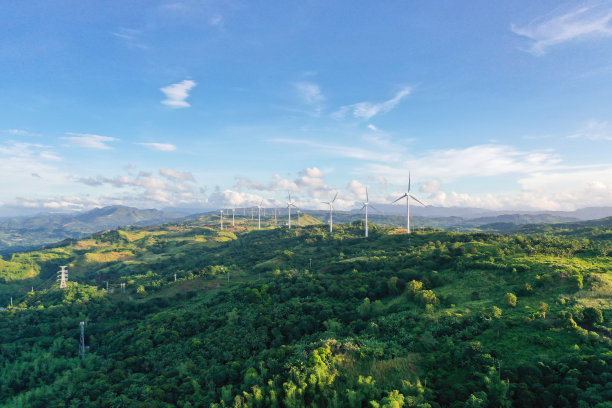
543 308
592 315
141 291
510 299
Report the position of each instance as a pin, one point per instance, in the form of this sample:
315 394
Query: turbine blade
417 200
408 181
374 208
399 198
336 196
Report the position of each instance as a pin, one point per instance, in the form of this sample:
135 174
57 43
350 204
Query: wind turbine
290 204
331 212
221 219
259 215
366 205
233 213
408 195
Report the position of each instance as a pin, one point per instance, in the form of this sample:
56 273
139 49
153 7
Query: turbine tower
259 215
275 221
408 195
221 211
290 204
331 212
233 213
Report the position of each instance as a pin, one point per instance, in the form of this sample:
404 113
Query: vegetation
302 318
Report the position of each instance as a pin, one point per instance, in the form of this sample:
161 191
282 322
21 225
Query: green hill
298 317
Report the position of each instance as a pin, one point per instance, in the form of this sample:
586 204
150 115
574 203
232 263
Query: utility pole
310 267
82 342
175 277
11 301
63 277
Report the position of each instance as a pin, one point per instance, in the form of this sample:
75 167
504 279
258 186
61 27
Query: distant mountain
28 232
587 213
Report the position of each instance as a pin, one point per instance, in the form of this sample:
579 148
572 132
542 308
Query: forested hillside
301 317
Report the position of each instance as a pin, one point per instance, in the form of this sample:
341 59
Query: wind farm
323 204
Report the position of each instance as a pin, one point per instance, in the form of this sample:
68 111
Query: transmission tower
82 342
62 277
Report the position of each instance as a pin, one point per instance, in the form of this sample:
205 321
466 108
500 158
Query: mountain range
19 233
28 232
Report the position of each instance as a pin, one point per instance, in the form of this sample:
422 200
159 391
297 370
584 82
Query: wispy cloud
90 141
374 147
19 132
583 22
162 147
171 174
487 160
367 110
309 92
177 93
216 20
131 37
594 130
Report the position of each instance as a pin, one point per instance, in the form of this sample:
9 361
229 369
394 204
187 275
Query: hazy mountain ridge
48 228
18 233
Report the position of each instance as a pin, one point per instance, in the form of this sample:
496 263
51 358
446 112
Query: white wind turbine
290 204
331 212
233 213
366 205
259 215
221 211
408 195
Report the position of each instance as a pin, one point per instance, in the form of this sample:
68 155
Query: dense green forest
300 317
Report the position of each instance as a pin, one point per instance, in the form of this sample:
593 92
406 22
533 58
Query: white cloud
309 92
177 93
583 22
89 140
594 130
309 188
367 110
176 175
162 147
144 187
431 187
475 161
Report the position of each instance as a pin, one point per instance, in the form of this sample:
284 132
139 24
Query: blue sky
207 104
